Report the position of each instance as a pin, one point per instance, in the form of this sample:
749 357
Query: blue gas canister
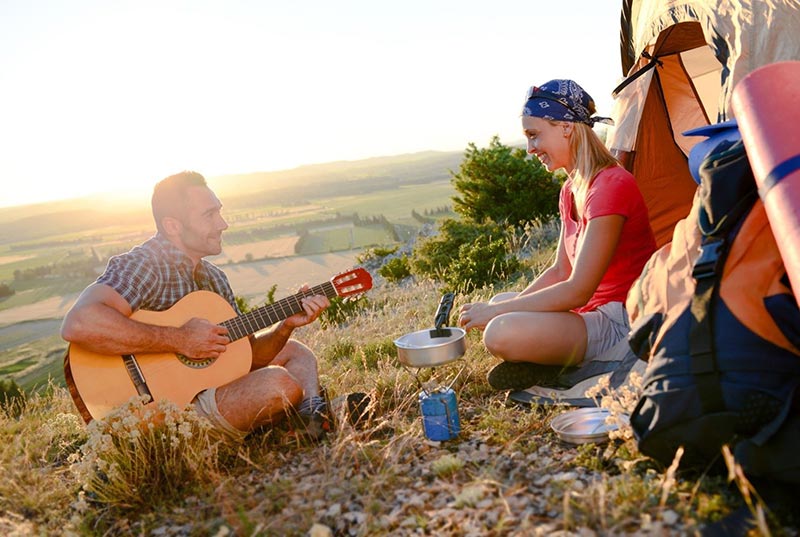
439 414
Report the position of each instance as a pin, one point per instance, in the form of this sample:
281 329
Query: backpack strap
729 193
707 273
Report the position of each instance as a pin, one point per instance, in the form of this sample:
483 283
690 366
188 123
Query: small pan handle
443 311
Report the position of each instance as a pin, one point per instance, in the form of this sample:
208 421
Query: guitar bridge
135 373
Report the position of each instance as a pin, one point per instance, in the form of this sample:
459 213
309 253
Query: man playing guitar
282 374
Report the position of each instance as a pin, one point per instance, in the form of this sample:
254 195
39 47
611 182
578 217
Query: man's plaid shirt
156 274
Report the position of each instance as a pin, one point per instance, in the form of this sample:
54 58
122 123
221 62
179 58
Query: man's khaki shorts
205 404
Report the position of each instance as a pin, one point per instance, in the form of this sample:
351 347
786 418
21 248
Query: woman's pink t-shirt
613 191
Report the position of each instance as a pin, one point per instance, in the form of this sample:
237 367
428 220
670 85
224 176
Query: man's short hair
169 195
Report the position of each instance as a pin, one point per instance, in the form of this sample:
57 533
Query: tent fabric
696 52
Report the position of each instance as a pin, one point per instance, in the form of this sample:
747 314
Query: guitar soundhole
195 364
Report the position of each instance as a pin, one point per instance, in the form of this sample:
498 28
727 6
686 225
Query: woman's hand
476 315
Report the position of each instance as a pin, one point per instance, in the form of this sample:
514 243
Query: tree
501 184
5 290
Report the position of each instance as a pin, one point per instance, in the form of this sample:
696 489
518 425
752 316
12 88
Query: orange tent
681 60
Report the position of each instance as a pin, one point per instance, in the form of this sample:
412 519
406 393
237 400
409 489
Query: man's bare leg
261 397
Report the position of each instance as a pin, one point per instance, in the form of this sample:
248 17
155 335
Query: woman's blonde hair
589 156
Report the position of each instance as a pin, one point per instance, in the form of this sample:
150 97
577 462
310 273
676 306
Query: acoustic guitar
99 383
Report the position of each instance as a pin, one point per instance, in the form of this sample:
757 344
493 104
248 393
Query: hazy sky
103 95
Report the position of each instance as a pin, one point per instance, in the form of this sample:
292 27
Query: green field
34 363
35 291
336 240
396 204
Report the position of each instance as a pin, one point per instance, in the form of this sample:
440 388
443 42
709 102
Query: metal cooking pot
429 348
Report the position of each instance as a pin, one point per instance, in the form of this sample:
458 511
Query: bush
503 185
396 269
5 290
433 255
480 264
342 310
138 459
12 398
377 252
241 303
466 255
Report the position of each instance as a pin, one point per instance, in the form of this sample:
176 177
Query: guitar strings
251 321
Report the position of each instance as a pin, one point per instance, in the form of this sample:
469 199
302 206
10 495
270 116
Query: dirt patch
13 259
52 308
278 248
253 280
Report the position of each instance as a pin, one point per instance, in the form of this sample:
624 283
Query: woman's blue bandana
562 100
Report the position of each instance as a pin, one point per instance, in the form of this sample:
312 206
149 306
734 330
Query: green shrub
502 184
481 263
12 398
241 303
342 310
466 255
377 252
396 269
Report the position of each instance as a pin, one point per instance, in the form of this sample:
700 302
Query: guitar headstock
352 282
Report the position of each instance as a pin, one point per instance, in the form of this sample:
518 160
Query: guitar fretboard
260 318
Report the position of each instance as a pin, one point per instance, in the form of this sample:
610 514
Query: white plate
583 425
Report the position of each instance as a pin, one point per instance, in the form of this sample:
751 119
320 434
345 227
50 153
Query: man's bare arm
100 321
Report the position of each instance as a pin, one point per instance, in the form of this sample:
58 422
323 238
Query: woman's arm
595 254
596 251
559 271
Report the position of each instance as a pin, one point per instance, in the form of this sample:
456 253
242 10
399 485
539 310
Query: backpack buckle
705 266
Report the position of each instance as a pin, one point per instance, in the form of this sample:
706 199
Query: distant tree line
51 244
5 290
72 269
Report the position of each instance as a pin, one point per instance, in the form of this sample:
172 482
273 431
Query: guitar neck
260 318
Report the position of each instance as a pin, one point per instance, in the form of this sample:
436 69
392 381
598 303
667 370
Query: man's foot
522 375
315 418
353 407
318 415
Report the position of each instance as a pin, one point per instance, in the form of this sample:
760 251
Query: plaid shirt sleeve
133 276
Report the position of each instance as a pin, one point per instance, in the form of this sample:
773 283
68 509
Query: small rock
334 510
320 530
670 517
409 522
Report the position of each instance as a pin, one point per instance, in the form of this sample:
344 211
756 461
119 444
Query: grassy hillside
505 474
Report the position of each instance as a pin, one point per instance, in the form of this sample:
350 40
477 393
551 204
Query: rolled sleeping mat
766 104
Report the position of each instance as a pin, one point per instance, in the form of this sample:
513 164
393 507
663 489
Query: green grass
16 367
46 372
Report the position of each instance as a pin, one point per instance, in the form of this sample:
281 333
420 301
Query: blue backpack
716 320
